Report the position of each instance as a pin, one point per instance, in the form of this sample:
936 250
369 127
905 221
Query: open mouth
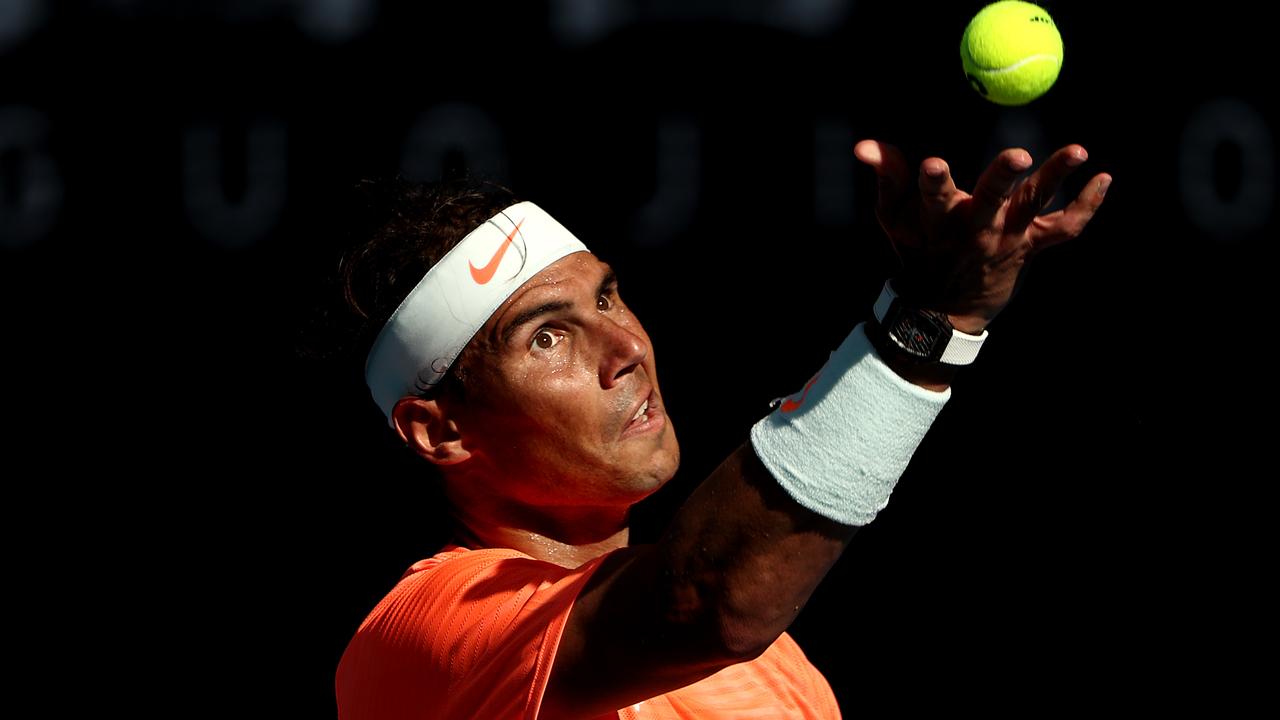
645 417
641 415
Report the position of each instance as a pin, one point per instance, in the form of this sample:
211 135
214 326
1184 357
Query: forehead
563 277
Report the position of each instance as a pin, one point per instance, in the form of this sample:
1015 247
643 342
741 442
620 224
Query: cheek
561 401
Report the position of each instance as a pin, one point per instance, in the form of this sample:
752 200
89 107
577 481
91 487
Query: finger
1054 228
938 190
891 172
1037 191
997 183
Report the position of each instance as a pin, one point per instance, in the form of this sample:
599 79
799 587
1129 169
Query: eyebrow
606 283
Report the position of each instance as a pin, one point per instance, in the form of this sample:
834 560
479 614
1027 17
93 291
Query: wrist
839 444
921 337
928 375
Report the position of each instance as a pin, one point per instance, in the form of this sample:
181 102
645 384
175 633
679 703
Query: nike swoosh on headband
485 274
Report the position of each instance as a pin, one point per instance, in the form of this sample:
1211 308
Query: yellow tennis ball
1011 52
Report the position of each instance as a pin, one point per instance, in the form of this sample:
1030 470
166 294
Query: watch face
920 333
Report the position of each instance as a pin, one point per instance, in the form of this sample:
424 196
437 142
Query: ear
426 427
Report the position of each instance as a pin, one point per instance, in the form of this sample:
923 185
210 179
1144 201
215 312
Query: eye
603 303
545 339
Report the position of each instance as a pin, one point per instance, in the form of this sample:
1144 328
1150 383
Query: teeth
641 411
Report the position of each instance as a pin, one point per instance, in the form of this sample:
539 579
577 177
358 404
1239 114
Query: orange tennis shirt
472 634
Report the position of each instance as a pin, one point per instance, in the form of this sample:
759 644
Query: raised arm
746 551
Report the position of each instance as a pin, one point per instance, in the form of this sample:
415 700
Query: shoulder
457 564
458 583
497 570
479 627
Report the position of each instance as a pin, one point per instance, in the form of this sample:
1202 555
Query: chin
665 463
640 488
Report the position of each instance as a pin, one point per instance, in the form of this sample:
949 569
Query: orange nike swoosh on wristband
485 274
790 405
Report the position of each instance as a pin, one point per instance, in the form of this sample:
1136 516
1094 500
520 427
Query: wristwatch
923 335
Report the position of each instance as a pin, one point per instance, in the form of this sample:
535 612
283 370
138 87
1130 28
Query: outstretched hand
964 254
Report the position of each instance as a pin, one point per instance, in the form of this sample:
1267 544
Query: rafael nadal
514 368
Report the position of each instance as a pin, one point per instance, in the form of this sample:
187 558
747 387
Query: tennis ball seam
1020 63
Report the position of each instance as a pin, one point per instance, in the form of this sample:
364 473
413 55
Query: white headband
456 298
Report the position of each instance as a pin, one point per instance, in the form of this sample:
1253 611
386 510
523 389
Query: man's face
550 418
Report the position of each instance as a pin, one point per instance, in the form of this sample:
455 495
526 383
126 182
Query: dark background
1084 525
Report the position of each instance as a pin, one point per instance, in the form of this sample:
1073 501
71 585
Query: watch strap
962 348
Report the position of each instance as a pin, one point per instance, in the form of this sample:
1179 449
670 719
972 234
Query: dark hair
391 233
401 229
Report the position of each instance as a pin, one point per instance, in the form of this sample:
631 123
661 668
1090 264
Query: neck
566 536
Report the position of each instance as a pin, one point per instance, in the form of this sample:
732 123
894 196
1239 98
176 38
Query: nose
622 349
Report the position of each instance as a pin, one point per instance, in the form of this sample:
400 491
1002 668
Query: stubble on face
551 401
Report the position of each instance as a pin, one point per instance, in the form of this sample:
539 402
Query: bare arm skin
741 558
732 571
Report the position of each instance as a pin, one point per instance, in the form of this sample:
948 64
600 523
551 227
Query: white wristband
839 445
